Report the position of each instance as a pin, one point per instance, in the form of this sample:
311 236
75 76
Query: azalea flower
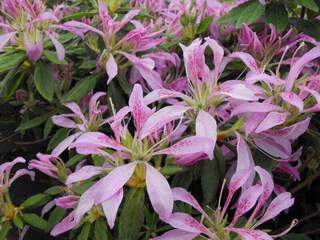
256 195
28 26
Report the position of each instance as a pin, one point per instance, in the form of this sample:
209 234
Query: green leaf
276 13
78 16
250 14
210 179
36 221
85 232
74 160
132 215
4 230
204 24
10 83
47 128
81 89
183 179
10 60
60 135
52 57
81 188
232 16
311 28
18 222
101 230
296 236
171 170
310 4
32 123
56 216
36 200
44 81
54 190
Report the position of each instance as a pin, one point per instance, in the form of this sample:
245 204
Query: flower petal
249 234
271 120
160 118
111 207
112 68
159 192
84 173
4 38
293 99
176 234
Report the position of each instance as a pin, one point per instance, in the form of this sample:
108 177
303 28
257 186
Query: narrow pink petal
218 54
249 234
64 144
271 120
65 225
238 91
252 78
63 121
4 38
298 66
190 145
112 68
111 207
34 50
279 148
244 159
76 110
253 107
160 118
186 223
20 173
293 99
59 47
282 202
46 16
247 59
180 194
267 185
176 234
67 202
160 94
80 25
113 182
145 68
84 173
238 180
93 103
159 192
247 201
206 126
139 109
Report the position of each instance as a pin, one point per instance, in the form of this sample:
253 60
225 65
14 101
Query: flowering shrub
161 120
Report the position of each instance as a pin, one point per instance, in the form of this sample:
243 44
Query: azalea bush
163 120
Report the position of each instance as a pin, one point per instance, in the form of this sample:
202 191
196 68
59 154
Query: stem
308 181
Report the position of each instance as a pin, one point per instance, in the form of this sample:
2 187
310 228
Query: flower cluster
181 104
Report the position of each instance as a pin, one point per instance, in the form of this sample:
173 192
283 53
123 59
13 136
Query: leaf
5 228
171 170
204 24
60 135
296 236
74 160
232 16
101 230
310 4
81 89
311 28
18 222
47 128
56 216
36 221
115 94
36 200
10 60
250 14
10 83
81 188
210 178
54 190
78 16
52 57
183 179
85 232
44 81
276 13
132 215
32 123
